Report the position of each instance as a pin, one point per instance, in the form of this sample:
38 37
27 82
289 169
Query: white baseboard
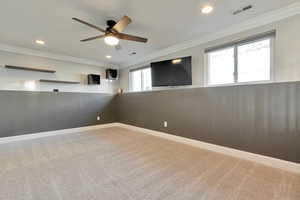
52 133
265 160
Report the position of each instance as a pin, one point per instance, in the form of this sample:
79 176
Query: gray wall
31 112
263 119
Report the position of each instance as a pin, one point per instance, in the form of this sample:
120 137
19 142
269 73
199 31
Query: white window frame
235 46
142 79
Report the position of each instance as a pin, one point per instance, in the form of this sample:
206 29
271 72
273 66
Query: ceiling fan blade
88 24
122 24
92 38
124 36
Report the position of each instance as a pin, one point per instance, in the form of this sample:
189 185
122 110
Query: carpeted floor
115 163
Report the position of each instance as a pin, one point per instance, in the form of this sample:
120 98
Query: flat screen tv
93 79
176 72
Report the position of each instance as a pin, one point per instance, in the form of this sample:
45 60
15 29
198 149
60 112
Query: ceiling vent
242 10
132 53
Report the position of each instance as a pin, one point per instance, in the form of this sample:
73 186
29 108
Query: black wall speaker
94 79
111 74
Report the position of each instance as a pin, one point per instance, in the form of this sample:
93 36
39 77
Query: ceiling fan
113 33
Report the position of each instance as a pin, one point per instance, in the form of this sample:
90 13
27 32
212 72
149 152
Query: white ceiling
164 22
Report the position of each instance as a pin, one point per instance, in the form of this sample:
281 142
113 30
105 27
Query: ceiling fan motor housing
111 23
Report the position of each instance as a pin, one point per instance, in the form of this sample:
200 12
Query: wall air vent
242 10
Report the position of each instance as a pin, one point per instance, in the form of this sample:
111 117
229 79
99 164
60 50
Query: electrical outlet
165 124
98 118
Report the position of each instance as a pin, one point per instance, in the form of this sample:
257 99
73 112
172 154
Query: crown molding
256 22
54 56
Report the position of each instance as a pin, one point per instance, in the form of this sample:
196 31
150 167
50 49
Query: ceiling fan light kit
111 40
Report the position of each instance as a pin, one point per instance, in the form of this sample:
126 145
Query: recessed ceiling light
108 56
41 42
207 9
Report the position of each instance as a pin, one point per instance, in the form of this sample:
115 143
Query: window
254 61
221 66
140 79
244 61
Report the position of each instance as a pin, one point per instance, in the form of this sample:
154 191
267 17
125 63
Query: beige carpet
115 163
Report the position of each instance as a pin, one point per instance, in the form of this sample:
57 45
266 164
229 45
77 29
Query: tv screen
93 79
176 72
111 74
